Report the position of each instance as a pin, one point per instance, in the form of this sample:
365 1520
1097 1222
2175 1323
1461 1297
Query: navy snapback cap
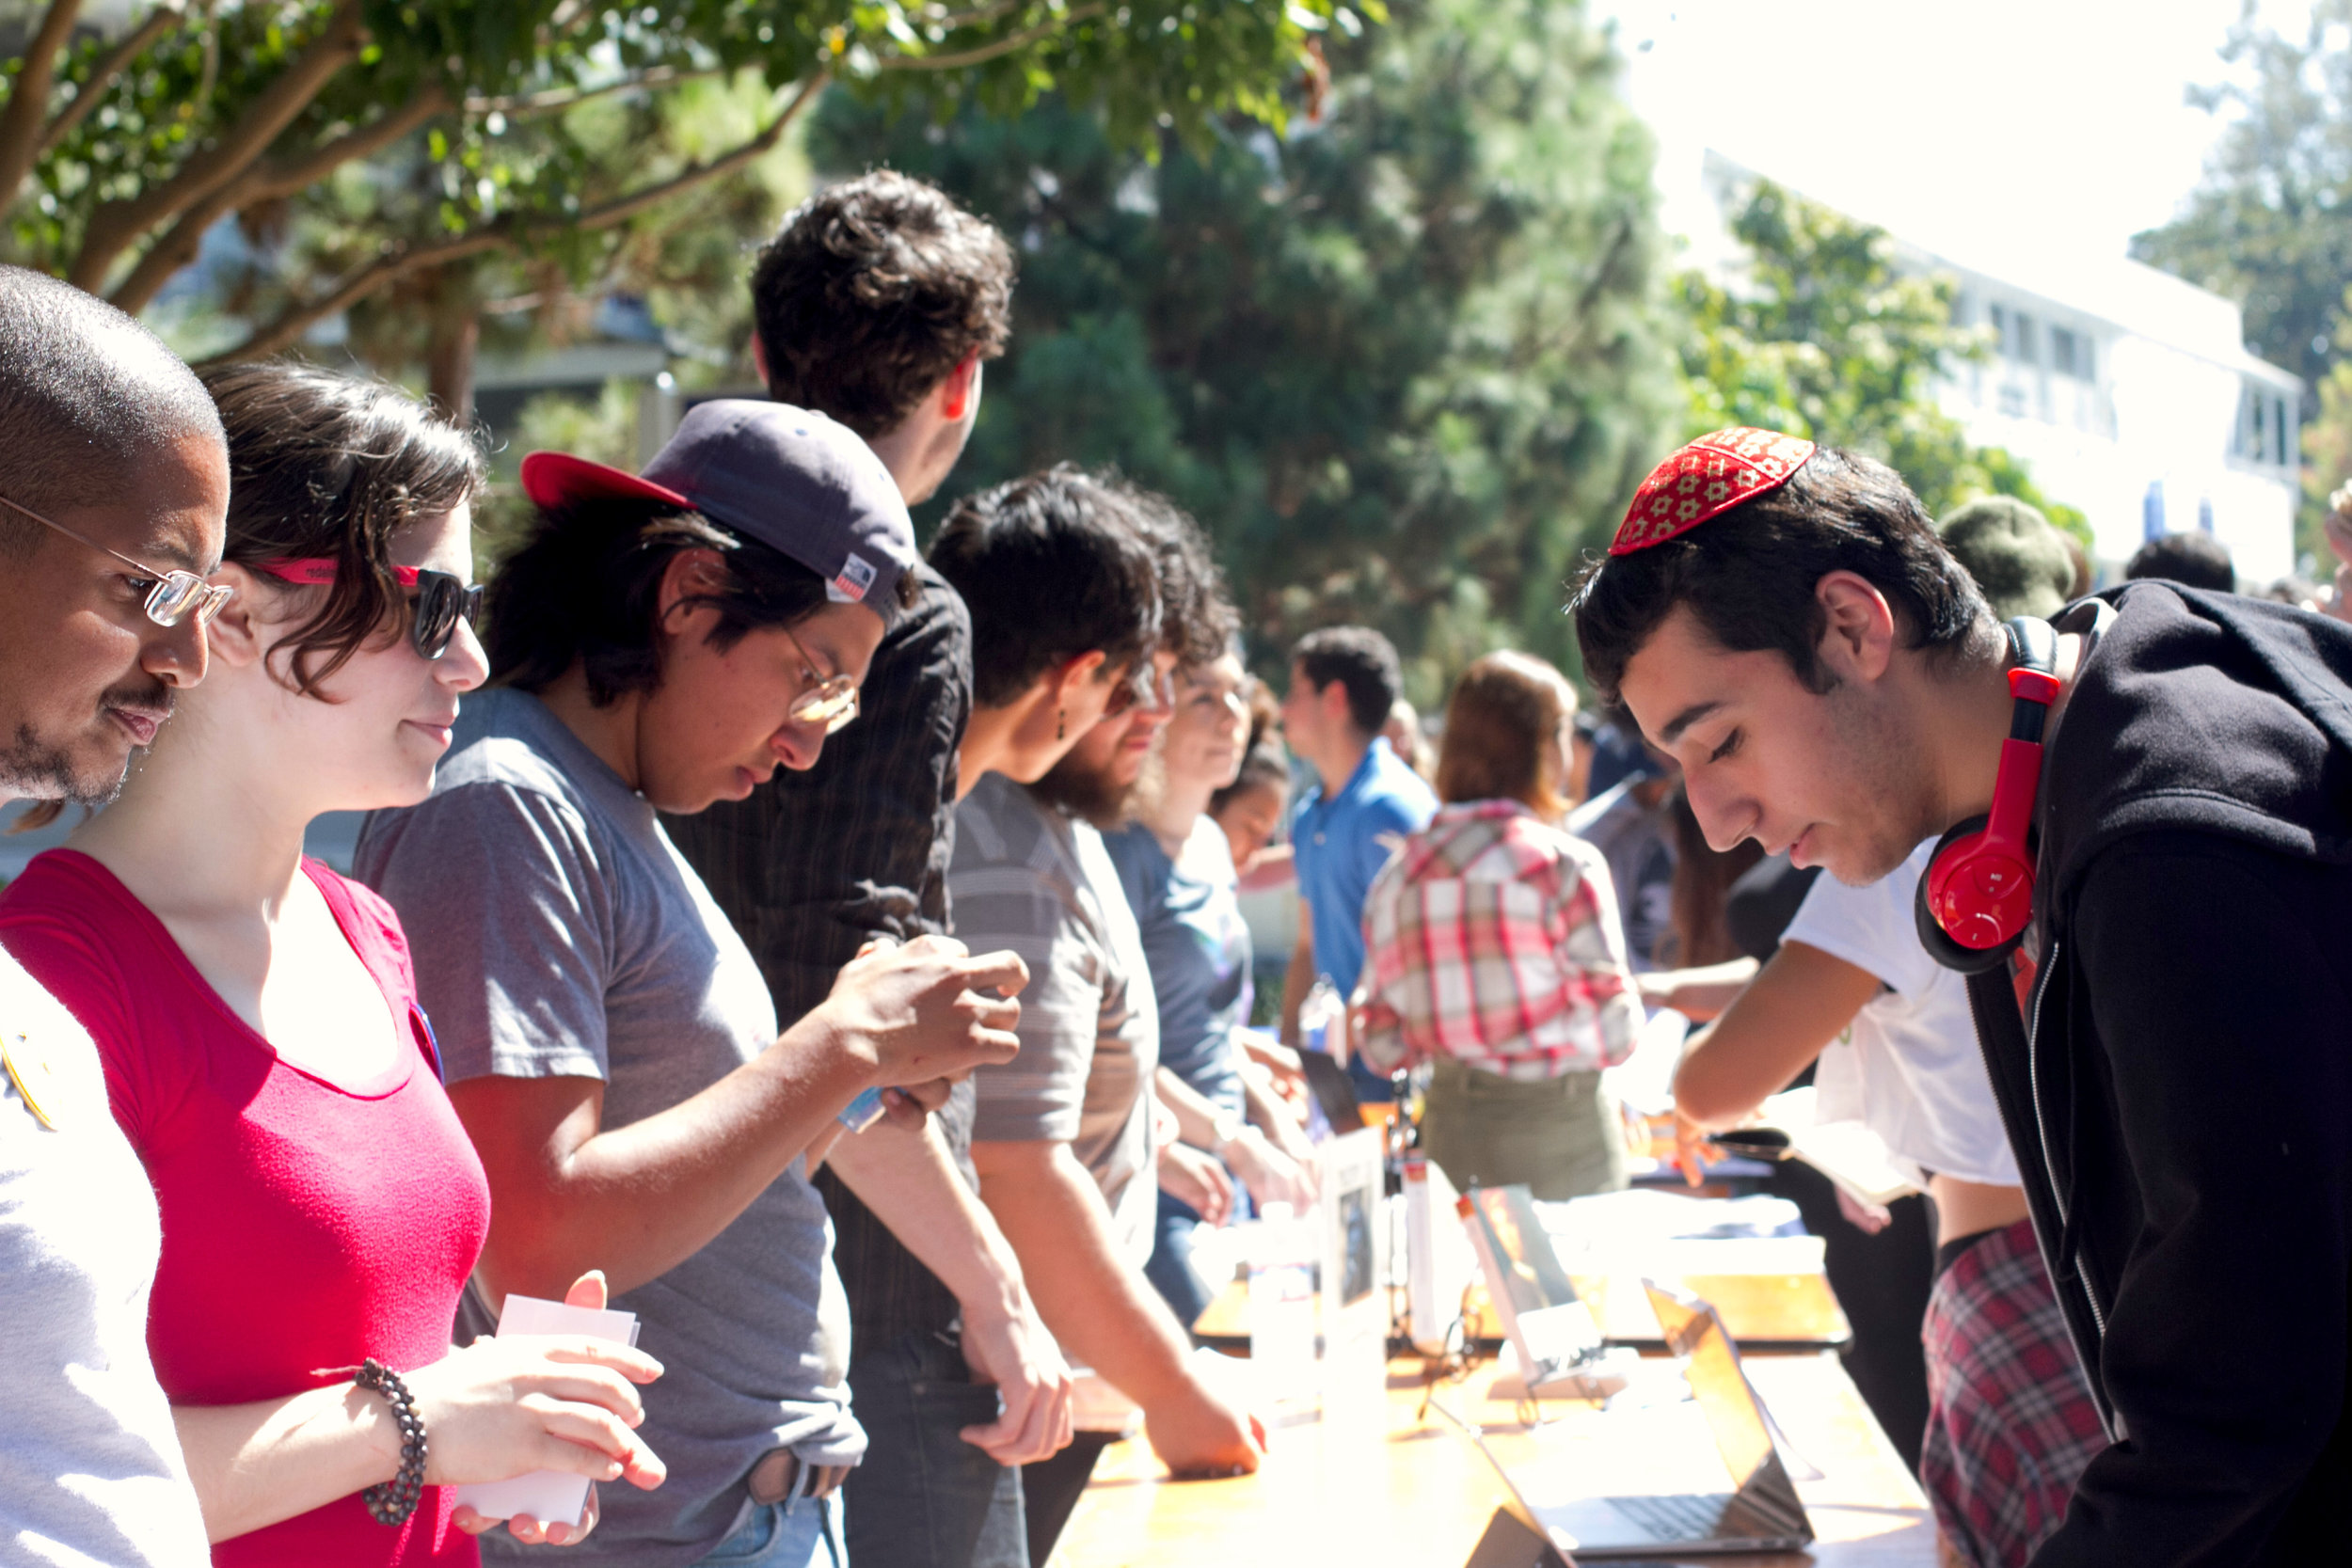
793 480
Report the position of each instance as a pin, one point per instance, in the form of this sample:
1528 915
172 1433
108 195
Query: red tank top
306 1225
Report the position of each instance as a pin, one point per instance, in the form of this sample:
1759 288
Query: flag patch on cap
856 576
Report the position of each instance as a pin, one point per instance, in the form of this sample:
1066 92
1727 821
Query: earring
1061 720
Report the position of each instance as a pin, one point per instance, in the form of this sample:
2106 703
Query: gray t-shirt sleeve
1039 1095
509 915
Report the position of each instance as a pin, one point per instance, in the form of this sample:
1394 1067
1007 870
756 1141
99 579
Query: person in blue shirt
1344 681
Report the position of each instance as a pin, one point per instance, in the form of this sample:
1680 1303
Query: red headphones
1973 905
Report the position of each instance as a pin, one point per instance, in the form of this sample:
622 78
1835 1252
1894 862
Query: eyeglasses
830 702
442 600
1145 683
176 594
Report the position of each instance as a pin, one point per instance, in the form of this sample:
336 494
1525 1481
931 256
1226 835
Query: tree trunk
456 332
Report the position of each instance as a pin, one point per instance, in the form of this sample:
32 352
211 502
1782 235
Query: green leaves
480 128
1825 338
1404 364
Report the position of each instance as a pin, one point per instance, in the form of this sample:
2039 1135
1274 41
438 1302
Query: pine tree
1404 359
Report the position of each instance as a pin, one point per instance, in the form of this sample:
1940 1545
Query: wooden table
1382 1488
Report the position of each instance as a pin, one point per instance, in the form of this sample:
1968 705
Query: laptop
1762 1515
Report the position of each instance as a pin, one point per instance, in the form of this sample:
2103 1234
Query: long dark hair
332 466
586 588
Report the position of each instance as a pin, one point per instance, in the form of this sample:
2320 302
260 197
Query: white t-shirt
91 1470
1908 1068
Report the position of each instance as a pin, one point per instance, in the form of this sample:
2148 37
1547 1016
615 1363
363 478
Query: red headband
1712 474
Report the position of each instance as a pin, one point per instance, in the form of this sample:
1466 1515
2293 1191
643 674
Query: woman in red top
258 1018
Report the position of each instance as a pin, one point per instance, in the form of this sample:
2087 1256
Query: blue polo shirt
1338 846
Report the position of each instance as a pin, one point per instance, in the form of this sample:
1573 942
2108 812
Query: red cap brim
553 479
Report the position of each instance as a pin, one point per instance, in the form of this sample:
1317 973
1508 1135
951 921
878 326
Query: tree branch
974 17
621 209
1004 45
503 234
28 100
162 20
558 99
116 226
177 245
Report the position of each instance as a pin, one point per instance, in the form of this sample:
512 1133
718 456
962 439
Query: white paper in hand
550 1497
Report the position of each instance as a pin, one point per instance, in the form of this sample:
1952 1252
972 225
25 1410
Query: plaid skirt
2010 1425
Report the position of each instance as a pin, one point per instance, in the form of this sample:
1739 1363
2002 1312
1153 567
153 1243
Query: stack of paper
550 1497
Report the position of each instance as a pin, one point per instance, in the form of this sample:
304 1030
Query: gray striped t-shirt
1027 877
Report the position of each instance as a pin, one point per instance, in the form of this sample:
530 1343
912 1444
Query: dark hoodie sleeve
2214 976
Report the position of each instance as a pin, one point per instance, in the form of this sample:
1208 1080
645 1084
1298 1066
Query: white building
2127 392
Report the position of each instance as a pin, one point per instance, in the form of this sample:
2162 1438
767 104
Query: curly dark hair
332 466
1198 623
872 292
1051 565
1749 574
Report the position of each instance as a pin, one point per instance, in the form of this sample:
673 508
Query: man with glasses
876 304
115 476
657 644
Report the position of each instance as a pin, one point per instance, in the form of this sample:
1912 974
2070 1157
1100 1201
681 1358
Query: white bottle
1317 1013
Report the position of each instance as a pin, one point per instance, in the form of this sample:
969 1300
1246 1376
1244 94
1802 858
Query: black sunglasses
442 600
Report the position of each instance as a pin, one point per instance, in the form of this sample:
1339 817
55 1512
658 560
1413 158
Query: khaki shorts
1562 1136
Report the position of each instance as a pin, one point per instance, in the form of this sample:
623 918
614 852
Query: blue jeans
924 1497
797 1532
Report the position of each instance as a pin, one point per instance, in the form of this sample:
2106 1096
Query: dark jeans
1170 1269
924 1497
1050 1489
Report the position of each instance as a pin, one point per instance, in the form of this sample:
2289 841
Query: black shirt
2180 1096
814 863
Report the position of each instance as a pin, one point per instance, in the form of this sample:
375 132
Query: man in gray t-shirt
1063 1136
558 934
1029 879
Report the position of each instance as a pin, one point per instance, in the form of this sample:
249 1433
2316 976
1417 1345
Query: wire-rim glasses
830 702
176 595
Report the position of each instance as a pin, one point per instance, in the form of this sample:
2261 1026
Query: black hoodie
2182 1107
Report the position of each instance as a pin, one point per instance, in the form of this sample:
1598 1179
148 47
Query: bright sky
2059 122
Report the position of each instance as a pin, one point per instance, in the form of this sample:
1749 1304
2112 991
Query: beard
1091 793
34 768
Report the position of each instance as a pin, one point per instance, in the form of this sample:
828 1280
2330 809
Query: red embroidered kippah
1712 474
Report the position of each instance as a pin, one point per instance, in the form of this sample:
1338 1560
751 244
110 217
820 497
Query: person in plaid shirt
1494 949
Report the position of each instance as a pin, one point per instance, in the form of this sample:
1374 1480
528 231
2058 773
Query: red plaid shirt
1493 938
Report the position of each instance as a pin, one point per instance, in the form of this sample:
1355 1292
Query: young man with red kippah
2165 885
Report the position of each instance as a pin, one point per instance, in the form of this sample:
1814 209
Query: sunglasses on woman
441 600
174 596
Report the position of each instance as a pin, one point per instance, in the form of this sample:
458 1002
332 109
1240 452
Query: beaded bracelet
390 1502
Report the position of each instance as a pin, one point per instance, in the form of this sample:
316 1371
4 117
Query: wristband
862 1112
390 1502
